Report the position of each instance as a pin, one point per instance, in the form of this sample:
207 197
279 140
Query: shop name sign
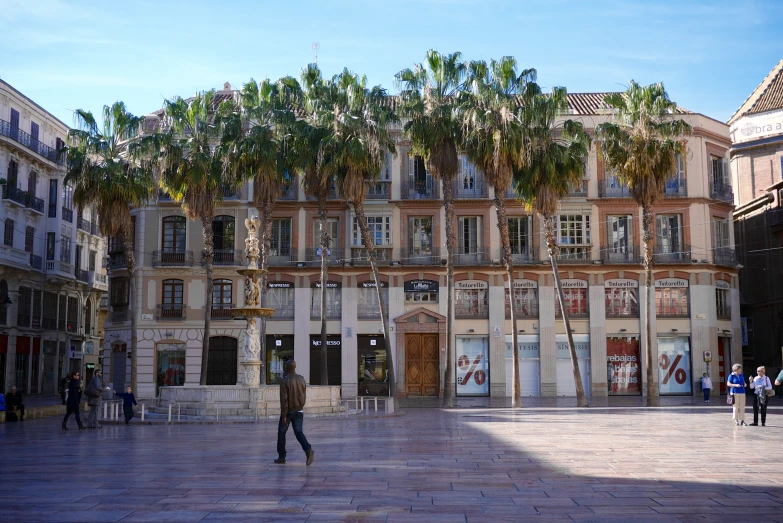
525 284
371 285
582 350
329 285
329 343
573 284
751 128
421 286
621 284
282 285
470 284
720 284
671 283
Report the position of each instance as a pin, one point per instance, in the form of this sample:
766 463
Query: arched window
3 306
174 234
223 230
221 298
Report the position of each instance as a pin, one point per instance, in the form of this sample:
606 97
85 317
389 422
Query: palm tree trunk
448 203
130 259
266 227
549 234
209 247
369 244
647 239
507 260
324 276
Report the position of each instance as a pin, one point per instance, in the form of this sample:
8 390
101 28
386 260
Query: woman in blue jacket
736 384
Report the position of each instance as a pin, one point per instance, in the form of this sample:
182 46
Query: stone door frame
404 325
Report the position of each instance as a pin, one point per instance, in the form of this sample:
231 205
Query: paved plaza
676 463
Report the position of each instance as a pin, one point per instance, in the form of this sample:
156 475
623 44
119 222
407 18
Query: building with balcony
695 292
757 173
51 256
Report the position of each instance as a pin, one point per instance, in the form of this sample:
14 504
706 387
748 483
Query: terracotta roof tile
768 96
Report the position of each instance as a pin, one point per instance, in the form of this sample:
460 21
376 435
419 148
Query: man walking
94 392
73 400
293 395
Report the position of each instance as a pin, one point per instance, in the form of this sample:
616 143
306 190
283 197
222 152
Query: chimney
227 86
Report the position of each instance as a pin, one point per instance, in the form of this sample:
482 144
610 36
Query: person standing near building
14 403
73 401
736 384
94 392
706 387
760 385
293 395
128 401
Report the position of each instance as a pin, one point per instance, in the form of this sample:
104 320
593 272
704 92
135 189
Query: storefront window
367 306
564 368
575 303
529 357
280 297
622 366
373 378
333 301
473 367
279 349
622 303
171 364
671 302
674 366
525 301
471 303
421 291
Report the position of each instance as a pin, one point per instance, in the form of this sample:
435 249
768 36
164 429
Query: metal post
256 413
217 413
169 412
142 412
266 412
105 405
376 403
179 410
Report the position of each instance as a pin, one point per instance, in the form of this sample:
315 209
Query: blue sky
69 54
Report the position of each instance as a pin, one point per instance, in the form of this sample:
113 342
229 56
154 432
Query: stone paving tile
626 464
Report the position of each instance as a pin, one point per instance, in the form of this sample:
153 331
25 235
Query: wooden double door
421 365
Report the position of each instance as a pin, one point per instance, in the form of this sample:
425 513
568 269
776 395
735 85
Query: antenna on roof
316 47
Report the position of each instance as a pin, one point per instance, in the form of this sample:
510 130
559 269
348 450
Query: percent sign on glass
479 376
671 367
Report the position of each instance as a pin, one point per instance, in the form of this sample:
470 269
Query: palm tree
558 151
641 146
495 141
254 131
428 100
362 139
191 172
104 175
311 140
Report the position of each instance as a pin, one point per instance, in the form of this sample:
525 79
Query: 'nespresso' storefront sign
573 284
671 283
370 285
621 284
330 342
525 284
470 284
421 286
280 285
329 285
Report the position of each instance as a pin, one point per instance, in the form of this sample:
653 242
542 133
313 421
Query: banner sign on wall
471 284
573 284
720 284
370 285
671 283
621 284
472 367
581 345
674 365
280 285
528 346
525 284
420 286
622 366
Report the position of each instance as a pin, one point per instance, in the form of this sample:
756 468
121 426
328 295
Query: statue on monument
251 243
252 292
250 342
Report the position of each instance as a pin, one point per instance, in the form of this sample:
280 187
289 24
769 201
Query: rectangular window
62 303
8 237
73 314
519 235
471 303
380 230
281 299
118 292
420 236
573 229
173 292
51 242
622 303
334 308
469 239
37 303
367 303
386 170
49 311
332 228
720 233
576 303
525 301
428 297
67 197
280 244
668 234
65 249
53 198
93 255
619 238
24 312
34 133
723 304
174 234
29 236
671 302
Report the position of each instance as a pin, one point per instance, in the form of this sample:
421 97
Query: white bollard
142 412
376 403
104 410
179 411
169 412
116 412
217 414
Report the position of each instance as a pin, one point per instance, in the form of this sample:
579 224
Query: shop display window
672 302
622 303
576 303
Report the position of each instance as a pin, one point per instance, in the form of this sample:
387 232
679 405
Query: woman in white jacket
760 385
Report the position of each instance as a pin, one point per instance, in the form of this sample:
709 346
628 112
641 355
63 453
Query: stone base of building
237 400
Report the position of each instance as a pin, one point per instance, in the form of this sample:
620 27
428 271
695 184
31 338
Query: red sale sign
623 366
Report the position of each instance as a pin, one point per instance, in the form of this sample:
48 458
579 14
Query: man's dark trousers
295 419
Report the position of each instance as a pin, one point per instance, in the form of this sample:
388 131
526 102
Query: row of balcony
16 134
88 226
23 199
662 254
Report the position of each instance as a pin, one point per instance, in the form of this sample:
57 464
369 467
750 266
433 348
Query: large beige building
695 291
51 271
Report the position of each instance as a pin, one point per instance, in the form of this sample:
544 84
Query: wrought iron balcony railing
36 262
672 254
170 312
473 258
420 256
610 255
83 224
675 188
282 257
725 256
119 313
721 191
333 256
467 188
411 189
522 256
359 256
35 204
579 190
230 192
379 190
288 192
118 260
172 258
15 195
226 257
81 275
68 215
613 189
574 255
20 136
220 311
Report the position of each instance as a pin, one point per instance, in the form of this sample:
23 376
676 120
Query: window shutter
461 236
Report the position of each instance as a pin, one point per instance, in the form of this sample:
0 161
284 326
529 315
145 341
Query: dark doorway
279 349
334 360
373 377
222 363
